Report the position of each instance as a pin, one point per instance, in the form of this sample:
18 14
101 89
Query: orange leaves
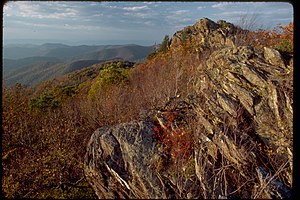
280 38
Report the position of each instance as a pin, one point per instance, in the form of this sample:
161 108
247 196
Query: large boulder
119 159
273 56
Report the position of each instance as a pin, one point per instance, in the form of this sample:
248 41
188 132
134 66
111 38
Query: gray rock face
247 79
250 87
118 162
273 56
205 33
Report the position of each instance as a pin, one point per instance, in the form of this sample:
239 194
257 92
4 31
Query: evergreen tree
164 44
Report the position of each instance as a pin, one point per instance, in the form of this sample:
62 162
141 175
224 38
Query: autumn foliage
280 38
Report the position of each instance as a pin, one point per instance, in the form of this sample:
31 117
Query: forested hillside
32 64
209 115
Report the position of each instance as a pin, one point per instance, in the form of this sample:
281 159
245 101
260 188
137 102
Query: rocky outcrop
246 77
205 33
239 119
248 98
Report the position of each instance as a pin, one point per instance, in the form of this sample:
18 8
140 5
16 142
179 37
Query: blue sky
144 23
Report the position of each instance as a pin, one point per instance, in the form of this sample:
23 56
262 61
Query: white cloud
180 12
185 20
98 15
27 9
153 4
107 4
30 24
8 9
227 5
81 27
200 7
69 12
39 10
113 7
221 5
149 23
232 13
135 8
149 3
94 4
138 14
286 19
178 16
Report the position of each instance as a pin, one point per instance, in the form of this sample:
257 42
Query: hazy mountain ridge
39 71
58 50
31 64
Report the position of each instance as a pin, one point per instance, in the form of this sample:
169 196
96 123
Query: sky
143 23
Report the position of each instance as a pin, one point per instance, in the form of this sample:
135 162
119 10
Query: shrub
69 91
44 102
285 46
112 74
176 141
164 44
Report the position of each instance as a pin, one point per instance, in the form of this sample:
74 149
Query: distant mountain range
30 64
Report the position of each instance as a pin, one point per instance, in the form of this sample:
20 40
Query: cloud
81 27
228 5
98 15
135 8
289 19
149 23
113 7
200 7
8 9
39 10
149 3
178 16
232 13
31 24
27 9
221 5
138 14
69 12
180 12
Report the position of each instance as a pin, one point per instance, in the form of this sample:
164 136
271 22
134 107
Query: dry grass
227 163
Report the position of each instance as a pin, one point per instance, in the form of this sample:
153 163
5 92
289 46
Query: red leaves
176 142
